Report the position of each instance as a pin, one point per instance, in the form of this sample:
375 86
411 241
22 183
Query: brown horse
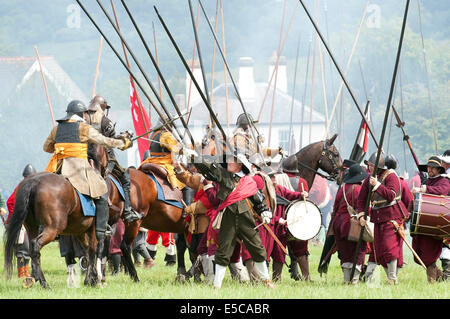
323 155
49 200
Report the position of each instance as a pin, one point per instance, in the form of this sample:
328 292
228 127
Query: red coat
10 203
427 247
387 244
341 224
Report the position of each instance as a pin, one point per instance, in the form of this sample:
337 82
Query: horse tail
24 193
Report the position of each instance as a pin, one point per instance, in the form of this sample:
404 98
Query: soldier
386 208
97 118
243 139
427 247
163 148
22 246
68 141
239 197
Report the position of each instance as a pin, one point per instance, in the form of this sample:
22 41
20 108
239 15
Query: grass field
158 283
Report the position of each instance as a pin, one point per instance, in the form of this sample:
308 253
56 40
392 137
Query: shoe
148 263
129 215
269 284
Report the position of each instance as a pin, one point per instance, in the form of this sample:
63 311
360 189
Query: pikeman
242 139
240 198
427 247
386 207
97 118
68 141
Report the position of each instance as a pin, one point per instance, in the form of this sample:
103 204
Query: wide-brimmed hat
238 155
433 161
347 163
290 165
354 174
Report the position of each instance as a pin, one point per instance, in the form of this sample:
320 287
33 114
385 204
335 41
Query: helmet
372 159
391 162
28 170
97 101
290 165
74 107
242 120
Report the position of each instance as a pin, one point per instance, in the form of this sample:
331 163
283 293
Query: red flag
141 125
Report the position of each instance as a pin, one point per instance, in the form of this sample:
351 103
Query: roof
16 72
281 110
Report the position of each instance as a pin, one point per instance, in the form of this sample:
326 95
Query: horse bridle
329 155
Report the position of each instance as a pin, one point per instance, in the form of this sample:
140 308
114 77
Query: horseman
69 142
163 149
97 118
242 139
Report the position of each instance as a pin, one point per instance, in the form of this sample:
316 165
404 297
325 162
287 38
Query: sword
399 230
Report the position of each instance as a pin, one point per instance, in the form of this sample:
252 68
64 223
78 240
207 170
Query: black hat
354 174
347 163
433 161
289 165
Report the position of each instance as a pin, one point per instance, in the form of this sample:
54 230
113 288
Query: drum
431 215
303 219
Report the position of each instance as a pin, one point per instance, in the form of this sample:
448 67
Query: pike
401 125
183 60
155 92
251 124
155 63
386 117
158 127
340 72
122 61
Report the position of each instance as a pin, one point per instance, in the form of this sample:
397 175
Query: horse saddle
87 204
166 192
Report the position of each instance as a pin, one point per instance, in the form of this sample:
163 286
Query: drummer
299 248
344 203
427 247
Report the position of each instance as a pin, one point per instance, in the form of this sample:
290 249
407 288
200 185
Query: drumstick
304 199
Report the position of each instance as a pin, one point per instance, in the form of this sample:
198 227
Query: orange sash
65 150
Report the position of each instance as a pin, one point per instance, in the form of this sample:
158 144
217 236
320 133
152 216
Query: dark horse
49 200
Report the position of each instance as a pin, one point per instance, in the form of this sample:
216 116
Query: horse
49 200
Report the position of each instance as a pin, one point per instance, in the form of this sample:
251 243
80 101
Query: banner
362 140
141 120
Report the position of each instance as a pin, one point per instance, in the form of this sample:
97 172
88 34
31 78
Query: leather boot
446 268
129 215
277 268
293 269
432 273
148 263
304 267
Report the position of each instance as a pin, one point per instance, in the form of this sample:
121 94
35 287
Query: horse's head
330 161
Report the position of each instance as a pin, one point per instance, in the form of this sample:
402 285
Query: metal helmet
391 162
98 101
28 170
290 165
372 159
74 107
242 120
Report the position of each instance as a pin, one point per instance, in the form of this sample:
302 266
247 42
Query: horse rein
327 154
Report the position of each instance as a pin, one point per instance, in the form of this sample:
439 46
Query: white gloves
266 216
282 221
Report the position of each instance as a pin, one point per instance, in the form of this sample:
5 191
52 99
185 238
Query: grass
158 283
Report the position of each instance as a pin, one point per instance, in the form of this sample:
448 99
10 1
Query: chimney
246 79
194 96
282 74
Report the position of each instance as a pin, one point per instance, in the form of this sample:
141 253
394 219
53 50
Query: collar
76 118
239 174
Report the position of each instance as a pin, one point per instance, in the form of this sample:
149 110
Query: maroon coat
387 244
341 224
427 247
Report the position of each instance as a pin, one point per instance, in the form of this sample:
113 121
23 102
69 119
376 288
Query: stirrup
130 216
